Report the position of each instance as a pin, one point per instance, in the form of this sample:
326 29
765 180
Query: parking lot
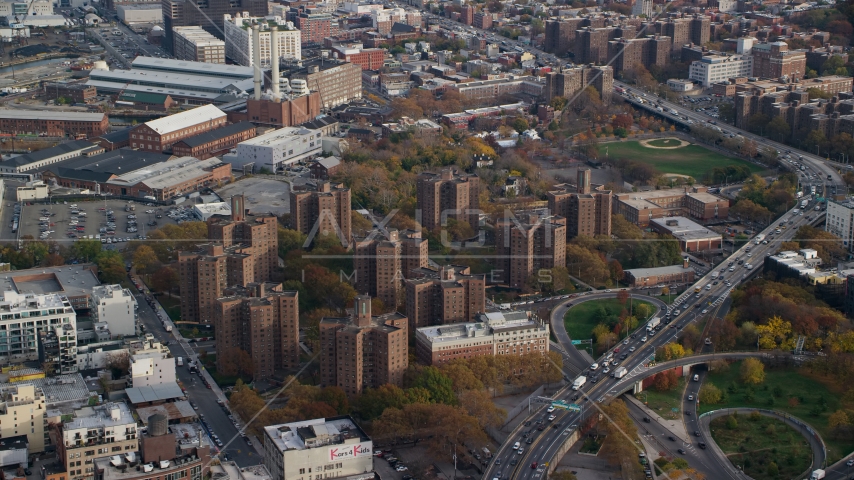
111 221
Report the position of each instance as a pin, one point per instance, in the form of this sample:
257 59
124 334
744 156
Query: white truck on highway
759 238
620 372
652 324
579 382
804 203
817 474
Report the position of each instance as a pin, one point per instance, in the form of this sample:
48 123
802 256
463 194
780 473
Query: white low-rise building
718 68
323 448
146 13
152 368
102 431
35 190
115 306
207 210
240 47
678 85
276 149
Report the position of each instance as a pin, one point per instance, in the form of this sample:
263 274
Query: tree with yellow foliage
752 371
775 333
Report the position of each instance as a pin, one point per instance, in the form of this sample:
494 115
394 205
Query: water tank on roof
157 425
100 65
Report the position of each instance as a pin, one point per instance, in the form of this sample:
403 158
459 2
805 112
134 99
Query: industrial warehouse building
132 173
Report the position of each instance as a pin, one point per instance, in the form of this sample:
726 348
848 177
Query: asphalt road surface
690 305
236 447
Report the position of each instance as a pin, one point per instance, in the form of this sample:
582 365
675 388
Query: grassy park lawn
663 403
786 390
172 305
582 318
756 442
692 160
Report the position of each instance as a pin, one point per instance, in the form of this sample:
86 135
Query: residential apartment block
625 53
117 307
179 13
240 47
363 351
261 319
337 82
101 431
322 208
244 250
152 368
26 316
490 334
696 202
528 244
840 220
383 262
23 412
566 82
447 295
586 207
775 60
449 194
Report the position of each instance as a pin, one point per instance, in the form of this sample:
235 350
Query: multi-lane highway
826 172
547 437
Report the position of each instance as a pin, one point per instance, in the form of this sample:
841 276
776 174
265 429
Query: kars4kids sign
346 452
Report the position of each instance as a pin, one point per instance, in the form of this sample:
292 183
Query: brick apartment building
568 81
586 207
322 208
367 58
159 135
362 350
467 14
695 202
489 334
534 243
314 27
381 264
53 124
647 51
447 295
337 82
449 191
775 60
482 20
244 250
261 319
593 42
214 143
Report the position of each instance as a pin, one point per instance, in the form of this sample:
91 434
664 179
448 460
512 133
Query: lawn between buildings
787 390
692 160
582 318
757 441
664 403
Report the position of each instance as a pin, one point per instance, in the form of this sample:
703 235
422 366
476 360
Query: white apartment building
494 333
240 48
840 220
152 368
102 431
717 68
117 307
23 412
322 448
23 316
277 148
642 7
197 45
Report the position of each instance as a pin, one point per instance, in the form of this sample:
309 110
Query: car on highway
534 465
681 451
